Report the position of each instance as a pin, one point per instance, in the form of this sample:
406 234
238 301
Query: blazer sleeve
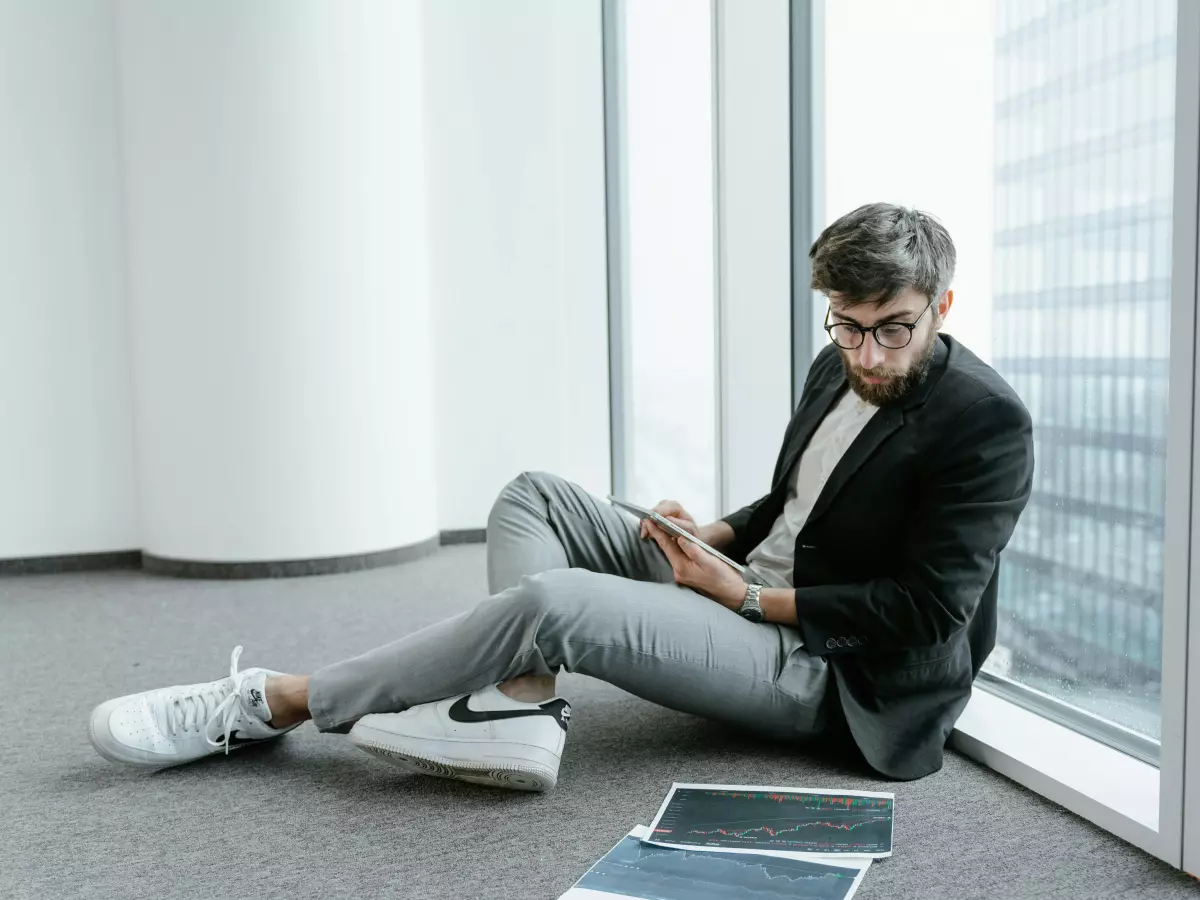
738 520
979 484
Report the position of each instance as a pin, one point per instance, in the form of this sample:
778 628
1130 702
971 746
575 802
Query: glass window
1056 186
669 304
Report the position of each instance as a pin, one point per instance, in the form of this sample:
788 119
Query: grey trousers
574 586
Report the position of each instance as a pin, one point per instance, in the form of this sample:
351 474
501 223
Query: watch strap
752 602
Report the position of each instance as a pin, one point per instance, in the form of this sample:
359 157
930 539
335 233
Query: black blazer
896 568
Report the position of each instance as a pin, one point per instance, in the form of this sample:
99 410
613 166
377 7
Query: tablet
664 522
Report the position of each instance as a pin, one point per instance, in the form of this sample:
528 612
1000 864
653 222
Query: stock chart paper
789 820
636 869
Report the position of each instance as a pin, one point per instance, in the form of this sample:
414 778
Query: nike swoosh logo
235 740
460 711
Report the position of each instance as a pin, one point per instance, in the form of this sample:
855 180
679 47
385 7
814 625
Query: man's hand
673 512
698 569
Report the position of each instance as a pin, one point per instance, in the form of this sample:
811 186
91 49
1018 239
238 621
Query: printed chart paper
796 821
634 868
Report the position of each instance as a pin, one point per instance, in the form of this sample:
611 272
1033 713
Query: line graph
799 822
634 869
776 832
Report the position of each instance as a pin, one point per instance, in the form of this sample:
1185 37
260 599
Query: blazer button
852 641
830 644
841 642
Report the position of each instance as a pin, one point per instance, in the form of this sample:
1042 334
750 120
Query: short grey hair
879 250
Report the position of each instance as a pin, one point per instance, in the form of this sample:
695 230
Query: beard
897 385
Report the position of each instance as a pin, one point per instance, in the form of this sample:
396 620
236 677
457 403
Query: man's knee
526 488
549 594
545 483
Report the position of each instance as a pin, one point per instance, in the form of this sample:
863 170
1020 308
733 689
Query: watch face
752 614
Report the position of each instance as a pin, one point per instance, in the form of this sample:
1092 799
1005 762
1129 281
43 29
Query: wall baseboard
74 562
288 568
464 536
183 568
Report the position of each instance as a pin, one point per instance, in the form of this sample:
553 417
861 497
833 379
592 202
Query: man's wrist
717 535
779 606
734 597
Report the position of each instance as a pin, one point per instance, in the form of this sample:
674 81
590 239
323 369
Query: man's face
878 374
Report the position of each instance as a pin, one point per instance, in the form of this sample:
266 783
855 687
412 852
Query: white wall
268 182
66 460
516 188
278 278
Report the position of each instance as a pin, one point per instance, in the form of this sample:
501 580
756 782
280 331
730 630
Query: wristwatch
751 610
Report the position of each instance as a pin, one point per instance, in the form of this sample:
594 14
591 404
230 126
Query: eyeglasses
889 335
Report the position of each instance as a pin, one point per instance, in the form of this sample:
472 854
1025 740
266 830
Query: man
867 607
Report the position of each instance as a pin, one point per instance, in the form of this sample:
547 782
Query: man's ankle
287 698
528 688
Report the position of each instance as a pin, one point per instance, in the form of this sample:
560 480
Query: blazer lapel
881 426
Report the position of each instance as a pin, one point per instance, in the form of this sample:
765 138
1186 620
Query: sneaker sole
514 774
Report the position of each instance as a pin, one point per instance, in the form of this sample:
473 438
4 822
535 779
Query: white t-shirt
773 561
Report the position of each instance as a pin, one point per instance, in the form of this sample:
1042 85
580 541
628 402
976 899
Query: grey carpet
310 816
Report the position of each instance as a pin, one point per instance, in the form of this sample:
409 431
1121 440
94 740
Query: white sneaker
485 737
174 725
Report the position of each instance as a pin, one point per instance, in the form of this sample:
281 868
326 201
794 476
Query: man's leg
662 642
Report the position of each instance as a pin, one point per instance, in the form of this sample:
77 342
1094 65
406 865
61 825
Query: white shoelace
196 711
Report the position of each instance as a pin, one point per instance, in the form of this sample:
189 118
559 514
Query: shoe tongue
254 696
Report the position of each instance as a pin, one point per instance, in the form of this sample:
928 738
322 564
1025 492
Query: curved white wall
274 160
66 438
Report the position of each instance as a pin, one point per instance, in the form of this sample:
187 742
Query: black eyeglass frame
864 329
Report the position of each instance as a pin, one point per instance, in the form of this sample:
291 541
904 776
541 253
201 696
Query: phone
661 520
